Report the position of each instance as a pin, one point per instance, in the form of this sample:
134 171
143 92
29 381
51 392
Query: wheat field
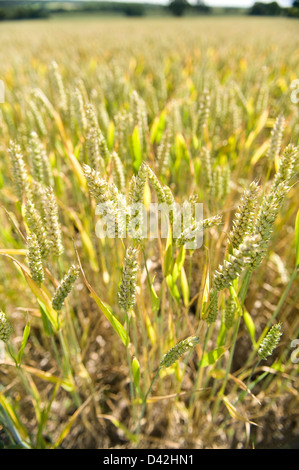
137 341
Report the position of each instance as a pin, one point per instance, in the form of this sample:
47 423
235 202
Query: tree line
19 10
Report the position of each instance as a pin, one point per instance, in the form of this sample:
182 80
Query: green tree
134 9
178 7
265 9
294 10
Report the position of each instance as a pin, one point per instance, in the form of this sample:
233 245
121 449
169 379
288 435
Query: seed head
127 288
59 87
229 312
265 220
36 151
37 226
52 223
243 220
136 192
221 181
105 154
190 232
204 111
156 184
212 308
232 268
35 260
140 183
270 342
91 116
140 117
38 117
163 152
96 184
178 350
78 103
41 99
65 287
276 138
18 169
287 166
92 150
118 171
131 192
5 327
206 163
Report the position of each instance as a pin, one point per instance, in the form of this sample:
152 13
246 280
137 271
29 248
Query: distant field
130 341
95 31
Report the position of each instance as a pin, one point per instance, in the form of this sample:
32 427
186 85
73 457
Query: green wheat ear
156 184
58 86
276 138
203 113
35 151
243 220
178 350
229 312
118 171
163 152
206 163
265 219
127 289
270 342
287 166
41 168
53 228
36 226
35 260
65 287
5 327
96 184
20 178
236 263
212 311
92 150
198 226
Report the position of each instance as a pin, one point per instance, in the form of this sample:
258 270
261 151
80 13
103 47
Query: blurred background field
158 68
